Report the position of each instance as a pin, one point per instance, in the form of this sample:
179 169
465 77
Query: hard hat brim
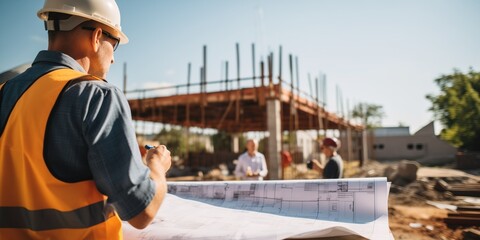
43 15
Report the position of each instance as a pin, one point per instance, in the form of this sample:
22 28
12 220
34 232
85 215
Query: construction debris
402 173
459 189
471 234
439 204
462 218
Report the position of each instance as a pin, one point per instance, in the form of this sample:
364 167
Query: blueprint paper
271 210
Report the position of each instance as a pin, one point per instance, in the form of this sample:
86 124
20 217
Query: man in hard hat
251 165
334 165
70 167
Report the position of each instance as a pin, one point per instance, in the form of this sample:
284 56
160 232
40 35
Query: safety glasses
109 35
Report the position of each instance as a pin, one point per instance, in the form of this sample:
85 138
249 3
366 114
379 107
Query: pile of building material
459 189
439 203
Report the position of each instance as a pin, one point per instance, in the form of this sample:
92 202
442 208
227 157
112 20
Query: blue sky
376 51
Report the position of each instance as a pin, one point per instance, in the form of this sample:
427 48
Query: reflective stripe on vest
33 203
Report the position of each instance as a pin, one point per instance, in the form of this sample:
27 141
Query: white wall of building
423 146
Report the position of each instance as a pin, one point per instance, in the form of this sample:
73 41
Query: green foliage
197 146
457 107
242 143
175 139
263 145
369 114
222 141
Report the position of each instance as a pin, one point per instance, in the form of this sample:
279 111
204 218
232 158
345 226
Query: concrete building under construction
261 103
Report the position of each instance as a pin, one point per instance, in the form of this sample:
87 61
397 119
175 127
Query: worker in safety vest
70 167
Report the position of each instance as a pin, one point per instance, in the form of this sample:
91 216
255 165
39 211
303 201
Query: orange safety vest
33 203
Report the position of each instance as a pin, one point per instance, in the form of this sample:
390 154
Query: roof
9 74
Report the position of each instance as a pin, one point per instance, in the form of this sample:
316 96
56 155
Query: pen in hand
160 154
148 147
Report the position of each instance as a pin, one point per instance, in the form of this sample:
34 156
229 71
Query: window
410 146
378 146
419 146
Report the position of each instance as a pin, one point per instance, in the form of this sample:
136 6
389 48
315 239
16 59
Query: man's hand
159 161
249 172
317 165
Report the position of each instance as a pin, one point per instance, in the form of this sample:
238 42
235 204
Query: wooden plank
462 221
471 234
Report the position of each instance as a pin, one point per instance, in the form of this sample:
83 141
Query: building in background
396 143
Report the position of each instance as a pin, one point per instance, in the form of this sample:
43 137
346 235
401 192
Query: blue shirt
89 135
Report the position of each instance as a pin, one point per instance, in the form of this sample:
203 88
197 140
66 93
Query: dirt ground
410 216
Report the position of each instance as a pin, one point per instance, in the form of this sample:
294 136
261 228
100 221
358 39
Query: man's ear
95 39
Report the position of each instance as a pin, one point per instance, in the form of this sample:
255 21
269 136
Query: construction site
278 111
242 124
265 103
438 201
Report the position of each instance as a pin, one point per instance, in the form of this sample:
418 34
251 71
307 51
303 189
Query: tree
175 140
222 141
370 115
457 107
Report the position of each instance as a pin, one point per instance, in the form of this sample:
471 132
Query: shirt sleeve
264 171
113 154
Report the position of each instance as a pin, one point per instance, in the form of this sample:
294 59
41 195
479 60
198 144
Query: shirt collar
57 58
254 154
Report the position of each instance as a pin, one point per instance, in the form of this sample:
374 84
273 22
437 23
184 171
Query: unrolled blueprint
271 210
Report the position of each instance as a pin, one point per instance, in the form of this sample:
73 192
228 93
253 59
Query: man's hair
253 140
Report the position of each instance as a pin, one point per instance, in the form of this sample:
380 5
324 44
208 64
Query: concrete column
364 147
349 144
236 142
274 139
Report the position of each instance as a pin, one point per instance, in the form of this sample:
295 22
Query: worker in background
70 167
251 164
334 164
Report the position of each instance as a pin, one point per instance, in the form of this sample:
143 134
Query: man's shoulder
93 86
336 160
243 156
92 82
337 157
93 93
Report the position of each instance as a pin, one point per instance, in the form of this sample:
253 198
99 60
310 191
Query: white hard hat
102 11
